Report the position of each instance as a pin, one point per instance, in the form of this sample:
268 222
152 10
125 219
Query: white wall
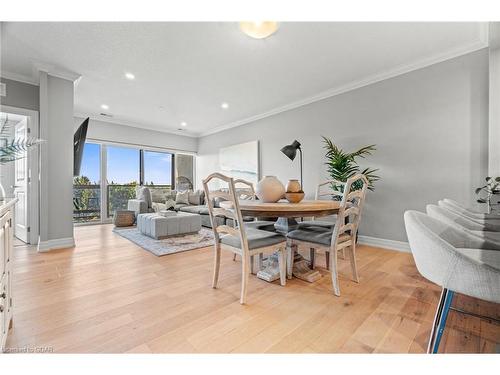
112 132
430 127
56 183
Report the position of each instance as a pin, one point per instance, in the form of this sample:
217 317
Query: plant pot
270 189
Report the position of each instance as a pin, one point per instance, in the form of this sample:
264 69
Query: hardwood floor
108 295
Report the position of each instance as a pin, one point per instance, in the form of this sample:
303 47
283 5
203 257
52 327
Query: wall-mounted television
78 145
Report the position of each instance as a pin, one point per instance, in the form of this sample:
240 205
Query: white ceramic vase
270 189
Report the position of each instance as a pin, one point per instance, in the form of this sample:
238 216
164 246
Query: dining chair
469 213
341 236
238 239
462 221
456 261
334 192
248 192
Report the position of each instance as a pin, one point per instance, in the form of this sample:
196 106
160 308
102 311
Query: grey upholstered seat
316 223
256 238
318 235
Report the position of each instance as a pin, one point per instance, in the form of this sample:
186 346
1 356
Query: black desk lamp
291 152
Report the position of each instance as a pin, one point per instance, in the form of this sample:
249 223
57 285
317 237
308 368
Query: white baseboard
385 244
58 243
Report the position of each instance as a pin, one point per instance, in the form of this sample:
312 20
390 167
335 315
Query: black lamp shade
291 150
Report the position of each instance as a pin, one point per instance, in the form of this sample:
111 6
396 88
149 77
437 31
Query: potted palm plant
342 164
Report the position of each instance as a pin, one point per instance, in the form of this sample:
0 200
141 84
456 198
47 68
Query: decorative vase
270 189
293 186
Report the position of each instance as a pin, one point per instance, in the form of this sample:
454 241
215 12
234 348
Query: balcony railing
87 199
86 203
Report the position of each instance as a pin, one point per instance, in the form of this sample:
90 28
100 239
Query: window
87 186
124 168
123 175
157 168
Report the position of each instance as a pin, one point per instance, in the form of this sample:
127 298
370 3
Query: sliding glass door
110 175
123 175
87 186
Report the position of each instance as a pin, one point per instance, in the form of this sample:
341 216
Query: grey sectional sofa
153 200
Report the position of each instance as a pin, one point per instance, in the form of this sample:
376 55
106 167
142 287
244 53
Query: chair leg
312 257
440 318
354 266
234 257
327 256
261 262
252 265
282 266
216 265
290 255
333 270
245 271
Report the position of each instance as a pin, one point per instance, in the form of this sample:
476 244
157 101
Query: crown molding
55 71
19 77
131 124
369 80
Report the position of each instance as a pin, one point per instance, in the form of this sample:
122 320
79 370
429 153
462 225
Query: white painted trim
385 244
58 243
403 69
55 71
18 77
33 166
97 117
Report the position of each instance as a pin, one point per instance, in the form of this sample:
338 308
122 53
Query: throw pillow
182 197
144 194
195 197
158 196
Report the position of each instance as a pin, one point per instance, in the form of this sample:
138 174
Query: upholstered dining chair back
351 207
460 221
452 205
235 214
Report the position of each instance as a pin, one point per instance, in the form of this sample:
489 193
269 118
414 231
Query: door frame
34 170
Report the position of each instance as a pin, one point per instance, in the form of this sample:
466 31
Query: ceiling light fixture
224 105
184 124
129 76
104 106
259 30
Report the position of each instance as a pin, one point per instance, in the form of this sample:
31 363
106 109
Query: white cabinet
6 244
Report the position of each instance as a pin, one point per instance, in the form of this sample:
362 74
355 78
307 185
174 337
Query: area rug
171 245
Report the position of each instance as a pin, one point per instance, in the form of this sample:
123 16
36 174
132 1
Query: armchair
143 202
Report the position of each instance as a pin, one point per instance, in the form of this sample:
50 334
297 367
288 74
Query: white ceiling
184 71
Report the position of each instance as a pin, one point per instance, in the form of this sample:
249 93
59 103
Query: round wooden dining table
287 214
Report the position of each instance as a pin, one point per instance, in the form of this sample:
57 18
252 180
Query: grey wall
21 95
106 131
56 184
430 127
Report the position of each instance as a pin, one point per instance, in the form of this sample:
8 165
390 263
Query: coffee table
157 226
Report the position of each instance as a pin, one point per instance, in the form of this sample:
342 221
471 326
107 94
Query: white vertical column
494 101
104 182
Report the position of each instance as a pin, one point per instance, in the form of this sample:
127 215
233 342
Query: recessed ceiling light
184 124
104 106
224 105
129 76
259 30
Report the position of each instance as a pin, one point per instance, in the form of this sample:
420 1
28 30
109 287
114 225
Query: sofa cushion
178 206
144 194
195 197
182 197
192 209
158 196
206 222
256 238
